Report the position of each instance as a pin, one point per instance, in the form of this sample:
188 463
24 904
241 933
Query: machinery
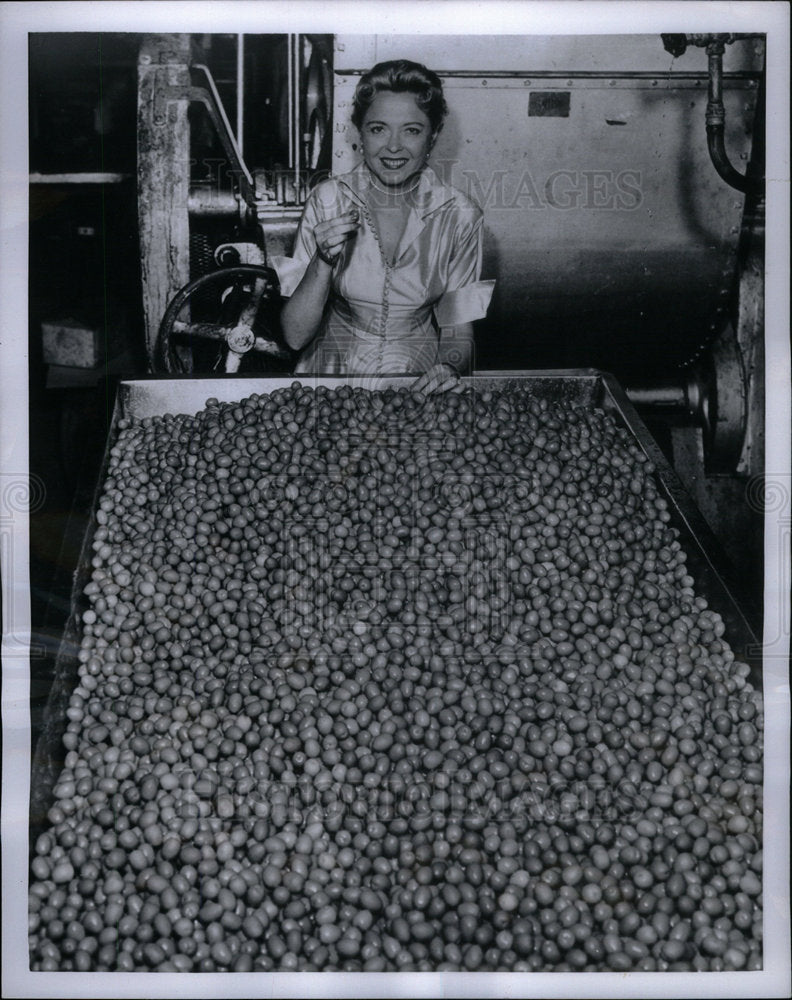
182 124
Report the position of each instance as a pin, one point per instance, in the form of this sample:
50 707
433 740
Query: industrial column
163 158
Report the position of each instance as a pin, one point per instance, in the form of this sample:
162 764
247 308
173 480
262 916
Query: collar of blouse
431 194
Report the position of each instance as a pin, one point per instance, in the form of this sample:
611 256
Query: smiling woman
399 110
384 278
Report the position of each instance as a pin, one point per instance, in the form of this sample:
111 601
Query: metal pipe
716 121
684 402
240 91
296 118
290 95
206 202
716 113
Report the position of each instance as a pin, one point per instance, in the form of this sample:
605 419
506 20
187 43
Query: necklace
389 191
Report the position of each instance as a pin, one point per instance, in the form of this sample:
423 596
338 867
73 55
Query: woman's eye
375 129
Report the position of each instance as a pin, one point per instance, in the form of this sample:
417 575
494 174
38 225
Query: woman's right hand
332 234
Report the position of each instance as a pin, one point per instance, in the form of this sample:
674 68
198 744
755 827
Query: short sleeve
324 202
466 297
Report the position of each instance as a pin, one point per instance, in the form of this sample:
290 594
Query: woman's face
396 137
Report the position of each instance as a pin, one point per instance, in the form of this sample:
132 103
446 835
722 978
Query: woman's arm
302 314
465 299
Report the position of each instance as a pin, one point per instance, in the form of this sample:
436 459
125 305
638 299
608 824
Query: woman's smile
393 163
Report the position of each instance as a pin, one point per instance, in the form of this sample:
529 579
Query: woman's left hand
439 378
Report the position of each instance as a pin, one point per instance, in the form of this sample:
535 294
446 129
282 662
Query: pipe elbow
721 162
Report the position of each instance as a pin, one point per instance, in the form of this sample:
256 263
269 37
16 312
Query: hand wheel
223 323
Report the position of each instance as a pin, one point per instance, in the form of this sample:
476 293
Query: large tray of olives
504 583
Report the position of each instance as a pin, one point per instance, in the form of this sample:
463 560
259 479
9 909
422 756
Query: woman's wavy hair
401 76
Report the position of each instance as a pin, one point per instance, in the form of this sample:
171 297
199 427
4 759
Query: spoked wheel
217 319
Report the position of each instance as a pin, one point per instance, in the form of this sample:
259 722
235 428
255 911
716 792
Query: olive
376 681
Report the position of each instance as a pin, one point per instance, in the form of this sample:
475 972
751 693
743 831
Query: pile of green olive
378 681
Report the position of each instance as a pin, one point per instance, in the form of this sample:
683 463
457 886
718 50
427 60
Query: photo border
405 17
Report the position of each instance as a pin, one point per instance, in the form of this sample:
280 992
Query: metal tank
612 236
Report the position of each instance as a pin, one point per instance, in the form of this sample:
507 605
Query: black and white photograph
395 499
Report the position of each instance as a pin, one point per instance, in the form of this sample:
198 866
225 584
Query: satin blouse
383 317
